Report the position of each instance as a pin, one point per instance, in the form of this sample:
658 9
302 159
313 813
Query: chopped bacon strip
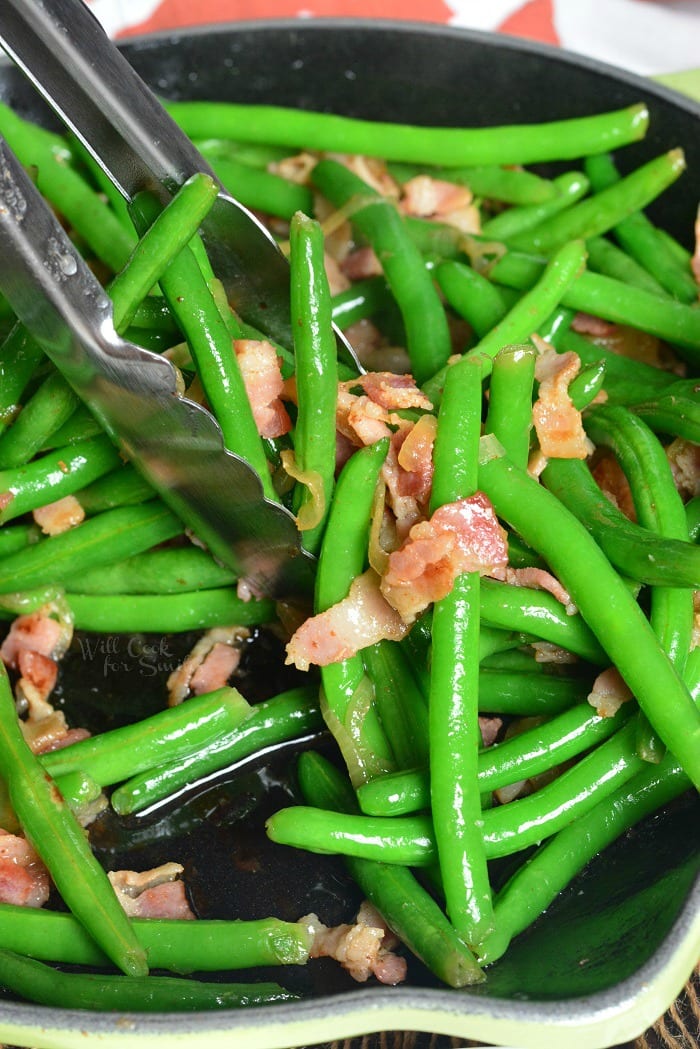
547 652
434 198
463 536
297 168
415 457
33 645
60 516
610 478
587 324
337 280
609 692
538 579
210 664
24 880
363 949
158 893
49 742
359 620
489 728
361 264
684 460
371 170
558 423
260 368
392 391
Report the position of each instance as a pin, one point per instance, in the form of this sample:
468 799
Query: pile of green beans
412 798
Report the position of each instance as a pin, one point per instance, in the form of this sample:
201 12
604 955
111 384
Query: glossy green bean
532 752
172 570
49 407
453 147
376 217
471 295
674 411
641 239
61 843
509 185
97 541
603 210
20 356
408 909
262 190
37 982
165 737
316 372
171 944
528 693
79 427
167 613
607 258
121 487
58 473
614 301
635 551
16 537
603 599
400 703
291 715
570 187
509 416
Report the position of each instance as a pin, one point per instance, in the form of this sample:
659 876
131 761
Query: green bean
674 411
626 380
532 752
316 369
262 190
361 300
79 791
641 240
121 487
58 473
79 427
610 260
172 944
604 209
20 356
603 599
288 716
509 415
614 301
471 295
17 537
539 614
510 185
454 675
453 147
37 982
49 407
162 738
167 613
82 207
404 904
570 187
254 155
528 693
400 703
526 315
167 571
98 540
633 550
347 694
588 384
533 887
61 843
376 217
692 513
191 302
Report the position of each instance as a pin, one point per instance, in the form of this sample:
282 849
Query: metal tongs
177 444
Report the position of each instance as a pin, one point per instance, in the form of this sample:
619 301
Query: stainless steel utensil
176 443
65 53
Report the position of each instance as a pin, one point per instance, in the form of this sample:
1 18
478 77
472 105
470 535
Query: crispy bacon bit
260 368
433 198
587 324
611 479
392 391
364 948
538 579
212 661
58 741
609 692
59 516
684 460
361 619
24 880
361 264
5 500
558 424
158 893
489 728
295 169
463 536
337 280
547 652
33 645
371 170
415 457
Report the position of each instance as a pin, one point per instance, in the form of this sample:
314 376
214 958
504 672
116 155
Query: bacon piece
415 457
60 516
361 948
587 324
684 460
611 479
609 692
489 728
24 880
260 368
297 168
34 632
463 536
392 391
360 619
212 661
539 579
433 198
361 264
59 740
157 893
371 170
558 424
337 280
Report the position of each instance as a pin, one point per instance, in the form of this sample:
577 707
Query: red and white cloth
645 36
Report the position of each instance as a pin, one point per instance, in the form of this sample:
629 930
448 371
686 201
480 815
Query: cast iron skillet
614 950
